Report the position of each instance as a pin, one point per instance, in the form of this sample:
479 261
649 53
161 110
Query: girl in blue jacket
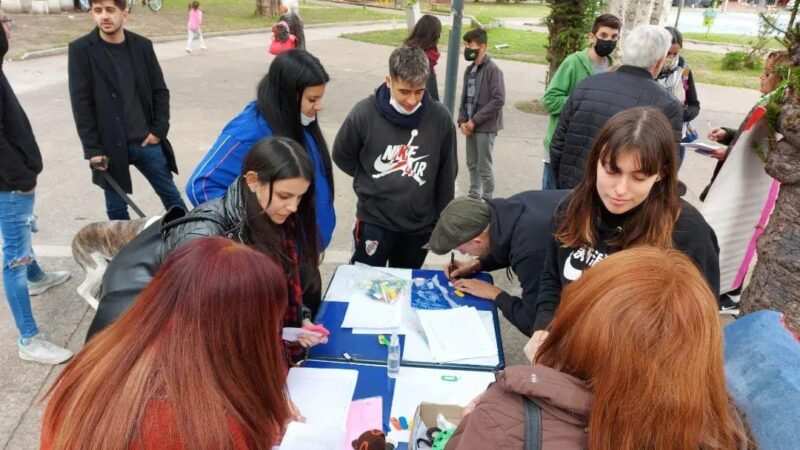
288 100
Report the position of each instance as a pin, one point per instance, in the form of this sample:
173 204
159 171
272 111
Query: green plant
568 24
739 60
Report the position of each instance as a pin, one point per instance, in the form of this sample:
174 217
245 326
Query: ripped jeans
17 223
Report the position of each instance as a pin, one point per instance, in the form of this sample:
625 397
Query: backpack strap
533 425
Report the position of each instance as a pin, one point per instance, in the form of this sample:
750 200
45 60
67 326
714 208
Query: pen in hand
452 265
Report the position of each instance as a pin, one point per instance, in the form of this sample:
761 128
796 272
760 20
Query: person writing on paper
511 234
629 197
633 361
270 207
196 363
771 79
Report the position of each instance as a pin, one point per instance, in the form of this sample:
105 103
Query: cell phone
704 151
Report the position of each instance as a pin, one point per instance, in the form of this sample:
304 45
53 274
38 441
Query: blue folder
345 346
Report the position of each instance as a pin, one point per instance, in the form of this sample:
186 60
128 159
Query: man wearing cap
507 233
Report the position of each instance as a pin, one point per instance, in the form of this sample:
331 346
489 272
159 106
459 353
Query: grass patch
731 39
487 13
529 46
707 68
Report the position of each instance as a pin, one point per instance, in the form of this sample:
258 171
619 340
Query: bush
740 60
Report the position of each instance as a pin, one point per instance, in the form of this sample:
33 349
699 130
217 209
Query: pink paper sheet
365 414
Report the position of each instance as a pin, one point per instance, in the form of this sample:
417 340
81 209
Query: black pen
452 264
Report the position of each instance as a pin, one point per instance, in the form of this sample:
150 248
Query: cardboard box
425 417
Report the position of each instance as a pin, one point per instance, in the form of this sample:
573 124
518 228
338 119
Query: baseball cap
462 219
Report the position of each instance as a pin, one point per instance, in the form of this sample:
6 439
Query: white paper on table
408 321
416 346
456 334
323 396
415 385
306 436
344 286
372 314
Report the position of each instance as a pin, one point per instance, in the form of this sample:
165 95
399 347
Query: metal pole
453 54
678 17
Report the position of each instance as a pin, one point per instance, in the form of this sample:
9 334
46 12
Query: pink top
195 19
277 47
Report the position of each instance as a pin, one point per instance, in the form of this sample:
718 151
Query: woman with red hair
633 361
197 362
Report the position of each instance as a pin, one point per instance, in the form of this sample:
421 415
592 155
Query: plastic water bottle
393 359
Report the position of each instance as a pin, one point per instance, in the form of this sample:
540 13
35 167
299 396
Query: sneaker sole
51 362
40 291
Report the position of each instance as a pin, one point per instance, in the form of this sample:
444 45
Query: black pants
378 246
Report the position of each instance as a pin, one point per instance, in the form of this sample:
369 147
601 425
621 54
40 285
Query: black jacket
519 235
591 104
490 97
692 235
20 160
97 103
403 167
137 263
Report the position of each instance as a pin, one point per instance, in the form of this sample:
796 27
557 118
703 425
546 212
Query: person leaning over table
511 234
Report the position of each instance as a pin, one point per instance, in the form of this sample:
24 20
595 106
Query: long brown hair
646 133
203 338
642 328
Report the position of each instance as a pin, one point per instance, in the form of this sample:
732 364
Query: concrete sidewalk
208 89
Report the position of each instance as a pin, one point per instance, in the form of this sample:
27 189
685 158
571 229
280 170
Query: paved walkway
207 89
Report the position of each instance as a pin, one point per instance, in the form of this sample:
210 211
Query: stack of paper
372 314
323 397
456 334
416 347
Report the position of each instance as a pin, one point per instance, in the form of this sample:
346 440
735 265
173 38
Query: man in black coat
510 234
121 108
599 97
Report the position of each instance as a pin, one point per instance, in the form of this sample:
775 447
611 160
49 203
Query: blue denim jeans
548 177
152 164
19 263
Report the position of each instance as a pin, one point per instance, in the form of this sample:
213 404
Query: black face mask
604 48
470 54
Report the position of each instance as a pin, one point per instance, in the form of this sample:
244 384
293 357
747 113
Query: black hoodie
519 236
403 167
692 235
19 153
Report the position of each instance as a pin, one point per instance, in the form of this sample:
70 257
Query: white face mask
402 110
305 120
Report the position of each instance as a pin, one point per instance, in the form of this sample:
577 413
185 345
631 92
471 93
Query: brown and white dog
96 244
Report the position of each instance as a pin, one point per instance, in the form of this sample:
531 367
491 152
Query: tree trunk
637 12
566 26
775 283
268 8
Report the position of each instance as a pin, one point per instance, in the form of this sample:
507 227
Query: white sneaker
43 351
51 279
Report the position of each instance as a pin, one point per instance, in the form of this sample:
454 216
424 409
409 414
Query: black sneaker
729 305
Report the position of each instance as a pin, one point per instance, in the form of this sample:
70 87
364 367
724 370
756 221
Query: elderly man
599 97
400 148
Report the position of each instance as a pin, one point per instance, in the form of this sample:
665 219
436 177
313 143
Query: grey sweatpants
479 163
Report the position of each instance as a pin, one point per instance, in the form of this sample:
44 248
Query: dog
96 244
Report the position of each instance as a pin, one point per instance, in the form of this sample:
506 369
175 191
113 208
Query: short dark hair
477 35
677 37
121 4
409 64
606 20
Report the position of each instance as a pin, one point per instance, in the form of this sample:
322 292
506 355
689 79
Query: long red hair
202 338
642 329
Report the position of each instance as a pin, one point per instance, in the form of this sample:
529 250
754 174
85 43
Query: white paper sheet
416 346
345 282
415 385
456 334
372 314
305 436
323 396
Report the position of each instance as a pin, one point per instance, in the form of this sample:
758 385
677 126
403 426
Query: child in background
194 26
282 39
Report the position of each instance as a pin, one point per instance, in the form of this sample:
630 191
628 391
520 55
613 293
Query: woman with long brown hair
197 362
628 197
633 361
